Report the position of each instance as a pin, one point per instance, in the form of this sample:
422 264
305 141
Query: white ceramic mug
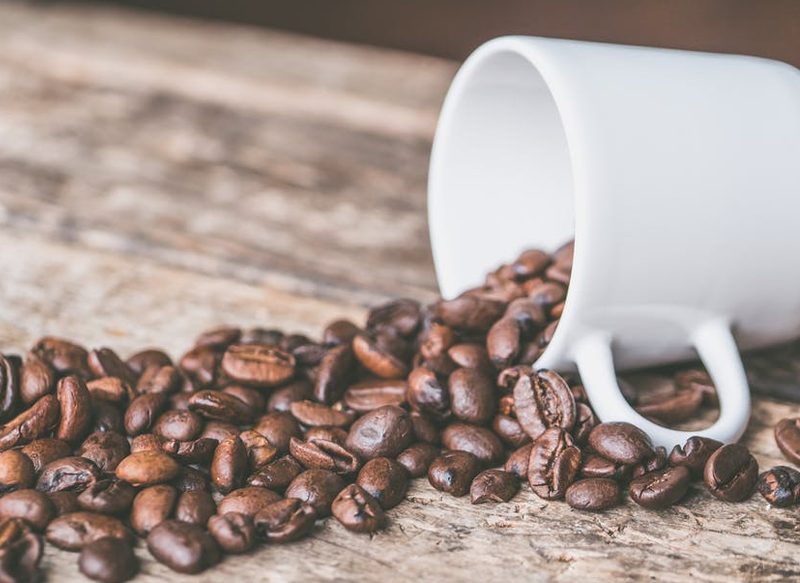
678 174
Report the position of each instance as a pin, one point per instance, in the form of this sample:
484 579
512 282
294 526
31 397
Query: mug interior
501 178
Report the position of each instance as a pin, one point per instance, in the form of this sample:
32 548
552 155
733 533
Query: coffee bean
183 547
339 332
37 379
596 466
159 379
198 451
191 479
470 313
178 425
259 450
370 394
356 510
111 390
334 373
479 441
469 355
285 521
229 465
64 356
660 489
247 501
219 431
20 552
151 507
383 432
593 494
683 405
146 468
510 431
425 429
453 472
9 388
254 399
109 496
148 358
105 448
323 454
315 414
543 399
32 506
585 421
426 394
698 381
472 395
731 473
657 462
417 458
517 462
235 533
71 532
493 486
70 473
503 342
195 507
261 336
276 475
200 366
221 406
280 427
258 365
621 442
107 417
64 502
317 488
553 464
104 362
787 436
297 390
143 412
16 471
779 486
220 337
385 480
35 422
403 315
109 560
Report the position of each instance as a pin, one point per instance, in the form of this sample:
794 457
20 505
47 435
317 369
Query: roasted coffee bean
200 366
104 362
594 494
220 337
110 496
229 465
383 432
72 473
64 502
109 560
148 358
503 342
146 442
297 390
37 379
9 388
373 393
699 381
508 378
151 507
198 451
64 356
435 340
472 395
315 414
178 425
219 431
479 441
280 427
529 264
553 464
779 486
425 429
787 436
247 501
681 406
259 450
356 510
469 355
660 489
262 336
146 468
107 417
317 488
16 471
71 532
510 431
334 434
470 313
276 475
453 472
20 552
543 399
596 466
105 448
235 533
258 365
339 332
183 547
385 480
143 412
657 462
110 389
493 486
285 521
323 454
384 355
195 507
427 394
403 315
191 479
32 506
621 442
585 421
731 473
35 422
417 458
161 379
221 406
334 374
517 462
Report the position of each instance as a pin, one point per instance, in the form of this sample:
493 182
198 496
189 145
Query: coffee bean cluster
254 435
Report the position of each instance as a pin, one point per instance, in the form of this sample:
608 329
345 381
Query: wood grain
159 176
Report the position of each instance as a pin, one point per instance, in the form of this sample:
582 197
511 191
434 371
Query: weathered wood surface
158 177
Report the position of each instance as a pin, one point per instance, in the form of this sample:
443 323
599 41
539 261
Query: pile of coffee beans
254 435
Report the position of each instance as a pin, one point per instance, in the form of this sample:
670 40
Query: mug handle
718 352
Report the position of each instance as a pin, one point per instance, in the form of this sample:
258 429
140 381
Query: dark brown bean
479 441
543 399
402 315
787 436
279 427
316 414
64 356
200 366
417 458
151 507
470 312
258 365
468 355
436 340
660 489
159 379
731 473
585 421
111 390
285 521
472 395
191 479
16 471
297 390
334 374
553 464
146 468
453 472
235 533
220 337
178 425
357 510
779 486
37 379
9 388
334 434
339 332
107 417
254 399
681 406
20 552
195 506
427 394
517 462
32 506
383 432
259 450
64 502
493 486
621 442
425 429
35 422
105 448
596 466
370 394
109 496
503 342
510 431
70 473
383 354
593 494
657 462
247 501
229 465
198 451
109 560
221 406
323 454
219 431
385 480
104 362
150 357
143 411
183 547
71 532
317 488
276 475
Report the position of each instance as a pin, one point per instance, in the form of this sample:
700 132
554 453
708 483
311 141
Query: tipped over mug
677 173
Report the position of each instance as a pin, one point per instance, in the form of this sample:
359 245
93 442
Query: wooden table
160 176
